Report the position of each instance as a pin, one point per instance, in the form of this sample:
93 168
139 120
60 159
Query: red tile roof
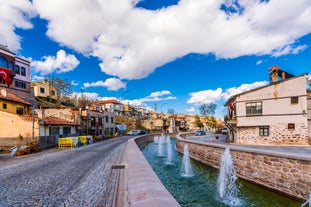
108 101
58 121
15 98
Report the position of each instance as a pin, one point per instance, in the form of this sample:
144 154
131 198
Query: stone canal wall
142 186
287 174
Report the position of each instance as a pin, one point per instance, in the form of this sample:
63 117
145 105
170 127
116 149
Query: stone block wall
279 134
286 174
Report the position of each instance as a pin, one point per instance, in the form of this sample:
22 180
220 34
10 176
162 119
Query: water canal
200 190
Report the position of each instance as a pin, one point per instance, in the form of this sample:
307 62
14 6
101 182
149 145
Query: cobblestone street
78 177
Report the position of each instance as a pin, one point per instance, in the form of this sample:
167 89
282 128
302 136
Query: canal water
200 190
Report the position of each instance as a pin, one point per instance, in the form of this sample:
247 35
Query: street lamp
161 107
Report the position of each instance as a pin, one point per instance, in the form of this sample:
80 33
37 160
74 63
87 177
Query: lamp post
87 120
161 107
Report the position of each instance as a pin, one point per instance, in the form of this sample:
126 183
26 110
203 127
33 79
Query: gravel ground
73 177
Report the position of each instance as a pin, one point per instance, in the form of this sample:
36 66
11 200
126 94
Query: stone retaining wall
290 175
143 187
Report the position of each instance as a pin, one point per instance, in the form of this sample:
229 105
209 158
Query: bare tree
207 109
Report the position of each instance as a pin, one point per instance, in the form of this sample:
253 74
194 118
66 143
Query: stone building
272 114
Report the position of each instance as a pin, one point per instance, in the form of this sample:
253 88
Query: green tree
198 121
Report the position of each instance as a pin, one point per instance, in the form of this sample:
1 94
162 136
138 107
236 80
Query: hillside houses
278 113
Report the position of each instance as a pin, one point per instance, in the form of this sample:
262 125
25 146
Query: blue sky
176 54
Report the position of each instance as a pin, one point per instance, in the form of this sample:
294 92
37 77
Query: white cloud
37 78
212 96
14 14
205 97
62 63
159 93
153 97
88 95
112 84
258 62
288 49
190 110
242 88
73 83
132 42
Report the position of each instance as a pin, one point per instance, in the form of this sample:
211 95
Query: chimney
274 73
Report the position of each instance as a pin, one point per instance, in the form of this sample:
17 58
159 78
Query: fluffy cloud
190 110
90 96
14 14
153 97
159 93
242 88
112 84
212 96
132 42
205 97
62 63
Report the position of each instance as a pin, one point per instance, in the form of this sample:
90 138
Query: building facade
44 90
16 95
272 114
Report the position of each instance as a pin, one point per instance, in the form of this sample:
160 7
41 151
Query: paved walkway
73 177
302 151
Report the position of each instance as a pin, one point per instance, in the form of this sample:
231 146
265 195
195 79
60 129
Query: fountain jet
169 151
227 188
186 169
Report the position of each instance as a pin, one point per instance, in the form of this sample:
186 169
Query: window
23 71
41 90
10 65
19 84
264 131
294 100
254 108
53 130
53 93
19 110
4 106
291 126
106 119
100 121
93 121
3 62
111 119
66 130
17 70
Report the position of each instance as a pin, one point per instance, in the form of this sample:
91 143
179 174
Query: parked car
141 132
137 132
224 130
200 133
133 132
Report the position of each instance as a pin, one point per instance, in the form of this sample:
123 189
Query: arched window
3 62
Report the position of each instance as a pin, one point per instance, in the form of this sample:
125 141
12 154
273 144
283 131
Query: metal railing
308 201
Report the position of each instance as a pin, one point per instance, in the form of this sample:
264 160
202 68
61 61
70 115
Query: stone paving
299 151
77 177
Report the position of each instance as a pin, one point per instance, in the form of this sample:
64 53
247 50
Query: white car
224 130
133 132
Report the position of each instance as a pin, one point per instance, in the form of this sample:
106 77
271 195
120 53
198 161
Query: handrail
308 201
